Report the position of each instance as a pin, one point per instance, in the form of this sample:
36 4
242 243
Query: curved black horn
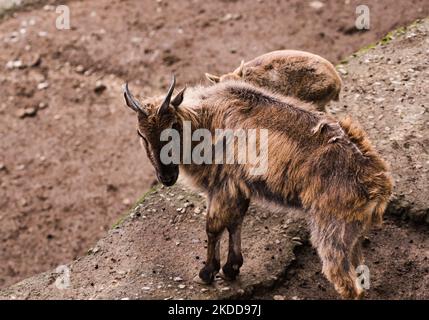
131 101
166 103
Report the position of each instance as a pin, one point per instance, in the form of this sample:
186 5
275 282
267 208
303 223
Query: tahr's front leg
224 211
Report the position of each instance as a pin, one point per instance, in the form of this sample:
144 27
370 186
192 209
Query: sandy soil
69 156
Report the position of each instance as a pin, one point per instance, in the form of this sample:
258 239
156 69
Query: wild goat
326 167
299 74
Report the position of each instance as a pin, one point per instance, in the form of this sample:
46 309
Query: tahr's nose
168 180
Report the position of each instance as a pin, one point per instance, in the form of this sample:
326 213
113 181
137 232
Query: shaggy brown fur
328 168
299 74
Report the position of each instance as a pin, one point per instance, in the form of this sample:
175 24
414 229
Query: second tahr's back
299 74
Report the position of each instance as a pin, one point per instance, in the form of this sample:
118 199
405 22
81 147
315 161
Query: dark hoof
207 275
223 276
230 272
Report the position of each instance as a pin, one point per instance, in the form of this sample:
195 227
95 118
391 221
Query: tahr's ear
239 71
212 78
178 99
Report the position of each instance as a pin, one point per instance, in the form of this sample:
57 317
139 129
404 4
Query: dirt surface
70 162
397 257
151 254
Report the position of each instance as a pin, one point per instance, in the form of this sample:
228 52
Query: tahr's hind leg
335 241
231 269
357 256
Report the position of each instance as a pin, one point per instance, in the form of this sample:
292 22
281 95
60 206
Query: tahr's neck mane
192 115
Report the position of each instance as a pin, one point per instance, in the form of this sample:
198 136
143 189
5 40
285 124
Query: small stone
277 241
99 87
42 105
181 286
136 40
2 166
27 112
42 85
231 16
42 34
197 210
20 113
180 197
80 69
23 202
225 289
278 297
126 201
14 64
316 5
178 279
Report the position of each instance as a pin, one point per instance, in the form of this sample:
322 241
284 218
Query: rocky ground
70 161
385 89
158 247
151 254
